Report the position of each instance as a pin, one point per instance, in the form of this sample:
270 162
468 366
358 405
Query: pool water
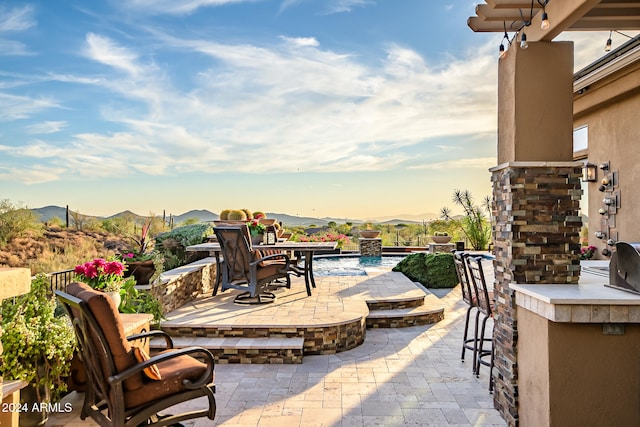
353 266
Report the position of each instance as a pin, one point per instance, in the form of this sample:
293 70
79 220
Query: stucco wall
611 110
574 374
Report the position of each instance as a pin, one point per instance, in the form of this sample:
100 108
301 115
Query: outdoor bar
566 346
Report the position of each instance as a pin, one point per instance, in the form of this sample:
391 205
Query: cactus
257 213
225 214
237 215
247 213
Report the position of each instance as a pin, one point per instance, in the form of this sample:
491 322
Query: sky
324 108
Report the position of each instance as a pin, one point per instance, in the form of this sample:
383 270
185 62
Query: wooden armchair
124 386
246 269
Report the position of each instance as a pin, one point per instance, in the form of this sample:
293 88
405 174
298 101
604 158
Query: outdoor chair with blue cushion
126 387
246 269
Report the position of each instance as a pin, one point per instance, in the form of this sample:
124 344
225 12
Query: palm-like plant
475 224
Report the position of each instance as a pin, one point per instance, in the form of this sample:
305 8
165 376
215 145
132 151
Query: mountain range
46 213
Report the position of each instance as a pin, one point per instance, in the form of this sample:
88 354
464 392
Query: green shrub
432 270
37 344
172 244
17 221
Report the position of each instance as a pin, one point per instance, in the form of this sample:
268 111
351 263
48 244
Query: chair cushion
271 270
108 317
261 253
152 372
173 372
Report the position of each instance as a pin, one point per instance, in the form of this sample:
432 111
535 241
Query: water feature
353 265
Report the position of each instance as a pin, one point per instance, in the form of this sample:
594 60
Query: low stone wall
183 284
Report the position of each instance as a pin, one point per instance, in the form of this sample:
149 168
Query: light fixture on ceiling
544 23
503 48
607 47
523 41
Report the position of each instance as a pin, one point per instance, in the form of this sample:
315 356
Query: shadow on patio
398 376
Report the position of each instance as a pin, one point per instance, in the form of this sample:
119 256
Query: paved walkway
398 377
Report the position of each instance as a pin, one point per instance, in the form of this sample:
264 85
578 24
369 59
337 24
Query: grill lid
624 267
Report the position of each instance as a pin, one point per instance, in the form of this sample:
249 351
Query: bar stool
485 307
471 299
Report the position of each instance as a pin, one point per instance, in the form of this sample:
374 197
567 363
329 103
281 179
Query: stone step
242 350
405 317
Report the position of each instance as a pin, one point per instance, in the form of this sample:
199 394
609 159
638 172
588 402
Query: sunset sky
342 108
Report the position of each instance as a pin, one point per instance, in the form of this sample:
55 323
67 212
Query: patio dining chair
471 298
249 270
126 387
485 307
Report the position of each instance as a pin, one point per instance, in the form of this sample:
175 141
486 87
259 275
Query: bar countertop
588 302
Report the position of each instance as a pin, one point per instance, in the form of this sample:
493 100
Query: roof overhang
564 15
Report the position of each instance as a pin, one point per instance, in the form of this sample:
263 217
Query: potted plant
103 275
37 348
142 263
256 230
441 237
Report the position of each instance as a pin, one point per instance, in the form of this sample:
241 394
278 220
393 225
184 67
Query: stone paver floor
398 377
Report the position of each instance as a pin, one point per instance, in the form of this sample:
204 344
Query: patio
398 376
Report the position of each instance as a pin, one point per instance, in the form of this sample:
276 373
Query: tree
475 225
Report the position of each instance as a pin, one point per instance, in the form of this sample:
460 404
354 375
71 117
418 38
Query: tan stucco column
536 194
535 103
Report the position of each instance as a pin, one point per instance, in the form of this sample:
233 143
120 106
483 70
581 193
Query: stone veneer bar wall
536 229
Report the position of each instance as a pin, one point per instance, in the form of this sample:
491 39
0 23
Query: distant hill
202 215
46 213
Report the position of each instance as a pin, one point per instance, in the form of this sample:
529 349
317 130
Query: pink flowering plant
587 252
341 239
100 274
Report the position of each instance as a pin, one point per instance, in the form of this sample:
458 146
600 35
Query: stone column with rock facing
536 193
370 246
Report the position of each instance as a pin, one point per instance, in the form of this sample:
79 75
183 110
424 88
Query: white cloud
301 41
16 19
14 107
177 7
272 108
104 50
467 163
46 127
30 175
13 20
340 6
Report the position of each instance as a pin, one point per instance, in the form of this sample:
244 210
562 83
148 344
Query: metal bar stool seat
485 307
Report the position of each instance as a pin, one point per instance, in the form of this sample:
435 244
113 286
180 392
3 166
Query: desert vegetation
52 246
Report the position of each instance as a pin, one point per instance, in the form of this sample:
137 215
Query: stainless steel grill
624 268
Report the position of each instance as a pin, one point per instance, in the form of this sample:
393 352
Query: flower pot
115 296
369 234
141 271
441 239
257 239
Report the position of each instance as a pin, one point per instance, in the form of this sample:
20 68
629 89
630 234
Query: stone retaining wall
184 284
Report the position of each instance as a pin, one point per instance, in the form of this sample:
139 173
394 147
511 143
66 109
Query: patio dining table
307 249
